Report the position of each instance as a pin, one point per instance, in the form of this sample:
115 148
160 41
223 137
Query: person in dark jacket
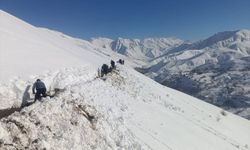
104 70
40 89
121 61
112 64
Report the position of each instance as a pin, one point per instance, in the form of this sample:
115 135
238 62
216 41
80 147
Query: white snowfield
130 111
124 110
26 50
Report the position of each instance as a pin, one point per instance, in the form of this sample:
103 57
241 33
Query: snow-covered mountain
215 69
124 110
173 62
237 40
137 49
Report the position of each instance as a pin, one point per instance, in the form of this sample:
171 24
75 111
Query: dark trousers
40 92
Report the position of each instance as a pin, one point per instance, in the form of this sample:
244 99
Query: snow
131 112
36 50
123 110
138 49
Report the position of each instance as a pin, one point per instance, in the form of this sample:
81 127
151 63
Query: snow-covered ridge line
140 49
223 39
153 48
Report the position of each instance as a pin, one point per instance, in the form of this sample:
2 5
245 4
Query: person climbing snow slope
39 89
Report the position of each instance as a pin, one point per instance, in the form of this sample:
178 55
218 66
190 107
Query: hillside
28 50
129 111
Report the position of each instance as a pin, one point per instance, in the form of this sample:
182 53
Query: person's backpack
40 85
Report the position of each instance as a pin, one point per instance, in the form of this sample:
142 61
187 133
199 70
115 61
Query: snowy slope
215 69
27 50
130 112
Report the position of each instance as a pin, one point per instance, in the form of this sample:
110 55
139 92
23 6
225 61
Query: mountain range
215 69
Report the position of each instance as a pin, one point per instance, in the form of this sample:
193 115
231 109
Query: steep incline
26 50
129 111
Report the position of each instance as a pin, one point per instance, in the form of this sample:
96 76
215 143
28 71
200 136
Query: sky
185 19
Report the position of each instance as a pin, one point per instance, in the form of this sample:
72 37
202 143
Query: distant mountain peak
243 35
222 39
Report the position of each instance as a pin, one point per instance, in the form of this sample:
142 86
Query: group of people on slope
106 69
39 88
